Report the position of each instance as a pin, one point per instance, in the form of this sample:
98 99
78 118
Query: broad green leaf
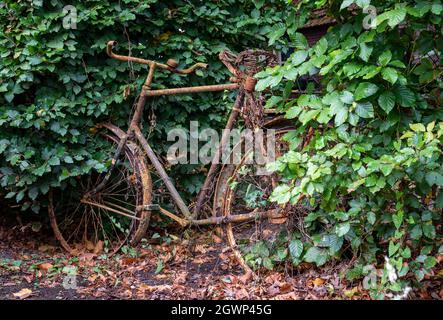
429 231
341 115
389 74
417 127
307 116
316 255
342 229
347 97
299 57
300 41
295 248
365 52
404 96
387 101
398 219
393 248
321 46
365 110
365 90
434 178
385 58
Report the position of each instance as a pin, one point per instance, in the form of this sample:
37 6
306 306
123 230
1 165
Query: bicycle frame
134 131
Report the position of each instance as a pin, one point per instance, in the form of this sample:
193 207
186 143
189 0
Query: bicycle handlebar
171 65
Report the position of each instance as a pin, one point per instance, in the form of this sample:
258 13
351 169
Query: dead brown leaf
246 277
89 245
46 248
216 239
318 282
45 266
99 247
23 293
128 261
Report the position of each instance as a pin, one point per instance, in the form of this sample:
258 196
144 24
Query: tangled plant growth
371 174
56 82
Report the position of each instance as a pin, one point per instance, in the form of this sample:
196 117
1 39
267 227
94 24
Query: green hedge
56 83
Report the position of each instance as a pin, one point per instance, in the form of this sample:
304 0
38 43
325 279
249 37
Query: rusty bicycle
115 207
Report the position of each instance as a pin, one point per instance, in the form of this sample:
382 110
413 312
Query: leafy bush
371 174
57 83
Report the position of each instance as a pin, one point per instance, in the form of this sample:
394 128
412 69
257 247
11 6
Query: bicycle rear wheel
242 189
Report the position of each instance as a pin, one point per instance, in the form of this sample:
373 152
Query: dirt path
35 268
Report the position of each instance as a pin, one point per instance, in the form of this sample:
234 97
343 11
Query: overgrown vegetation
56 84
372 172
371 175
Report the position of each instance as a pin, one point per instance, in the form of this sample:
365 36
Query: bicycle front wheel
102 220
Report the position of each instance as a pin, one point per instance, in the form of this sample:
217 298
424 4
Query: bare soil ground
32 266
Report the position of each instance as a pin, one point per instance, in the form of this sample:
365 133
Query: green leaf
307 116
430 262
277 32
281 194
417 127
389 74
396 16
347 97
397 219
365 52
299 57
316 255
385 58
371 217
365 110
342 229
321 46
300 41
393 248
405 97
55 44
387 101
267 263
33 193
416 232
293 112
434 178
54 161
295 248
341 115
10 195
429 231
365 90
264 83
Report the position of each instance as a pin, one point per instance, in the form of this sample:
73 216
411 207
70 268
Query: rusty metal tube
211 88
218 154
244 217
161 171
189 70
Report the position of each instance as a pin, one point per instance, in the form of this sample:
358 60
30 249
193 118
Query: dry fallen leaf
318 282
90 246
246 277
23 293
92 278
45 266
98 247
351 293
128 261
216 239
46 248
